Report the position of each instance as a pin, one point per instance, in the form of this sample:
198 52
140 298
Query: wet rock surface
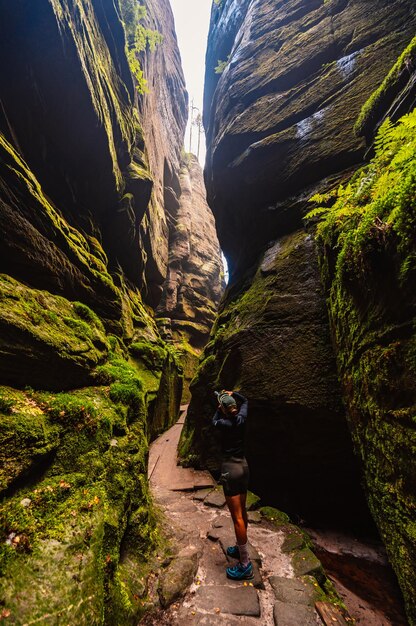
280 116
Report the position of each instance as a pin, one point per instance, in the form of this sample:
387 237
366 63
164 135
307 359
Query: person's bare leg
234 504
243 497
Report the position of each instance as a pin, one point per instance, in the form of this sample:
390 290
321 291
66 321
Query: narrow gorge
114 308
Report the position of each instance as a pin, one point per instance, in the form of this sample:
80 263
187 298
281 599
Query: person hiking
231 422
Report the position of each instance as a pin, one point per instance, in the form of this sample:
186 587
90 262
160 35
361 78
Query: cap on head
227 401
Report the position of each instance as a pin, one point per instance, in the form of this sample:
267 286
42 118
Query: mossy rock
305 562
295 539
371 300
252 501
48 342
27 437
278 518
88 505
175 579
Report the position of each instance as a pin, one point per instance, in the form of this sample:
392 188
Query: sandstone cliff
367 250
193 285
163 113
279 116
89 175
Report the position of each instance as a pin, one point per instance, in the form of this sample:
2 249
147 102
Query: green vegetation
407 59
219 69
73 464
367 232
139 38
376 209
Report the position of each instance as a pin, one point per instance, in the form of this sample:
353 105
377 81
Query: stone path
193 586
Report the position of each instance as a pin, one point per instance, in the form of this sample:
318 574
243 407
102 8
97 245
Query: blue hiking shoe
233 552
240 572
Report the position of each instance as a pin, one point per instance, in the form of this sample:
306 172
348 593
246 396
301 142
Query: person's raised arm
220 421
242 413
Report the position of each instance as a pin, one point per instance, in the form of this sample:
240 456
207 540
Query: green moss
27 437
274 515
252 501
408 57
368 265
152 355
85 253
50 325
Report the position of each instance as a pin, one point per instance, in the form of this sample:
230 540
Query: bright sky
192 22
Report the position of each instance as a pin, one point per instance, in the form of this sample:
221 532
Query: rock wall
285 84
280 115
279 118
89 174
163 113
368 266
194 283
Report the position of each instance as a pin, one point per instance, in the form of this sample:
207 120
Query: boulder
280 115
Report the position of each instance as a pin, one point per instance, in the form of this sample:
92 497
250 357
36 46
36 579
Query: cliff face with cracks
163 113
85 378
193 284
280 116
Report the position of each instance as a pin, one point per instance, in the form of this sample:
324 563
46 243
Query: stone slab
213 534
254 517
232 600
191 617
200 495
305 562
294 591
215 499
257 581
203 480
223 521
286 614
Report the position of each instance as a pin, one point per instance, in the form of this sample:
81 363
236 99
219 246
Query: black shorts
234 476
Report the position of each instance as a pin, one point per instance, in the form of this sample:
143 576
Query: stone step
232 600
286 614
215 499
294 590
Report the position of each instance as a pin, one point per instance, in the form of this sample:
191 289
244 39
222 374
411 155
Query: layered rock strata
285 83
368 266
194 283
279 118
87 182
163 113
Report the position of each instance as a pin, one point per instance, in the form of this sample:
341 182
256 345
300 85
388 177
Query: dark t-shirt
232 428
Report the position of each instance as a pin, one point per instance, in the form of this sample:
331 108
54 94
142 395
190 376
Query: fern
318 211
378 204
